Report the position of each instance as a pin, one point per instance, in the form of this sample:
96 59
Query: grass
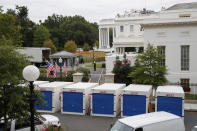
92 66
190 96
88 56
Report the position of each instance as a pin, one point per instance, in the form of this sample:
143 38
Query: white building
173 29
127 32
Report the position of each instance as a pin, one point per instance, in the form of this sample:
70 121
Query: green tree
148 69
96 44
9 30
86 47
13 98
70 46
26 25
49 44
41 34
121 70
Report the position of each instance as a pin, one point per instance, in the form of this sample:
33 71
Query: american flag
55 70
65 69
49 68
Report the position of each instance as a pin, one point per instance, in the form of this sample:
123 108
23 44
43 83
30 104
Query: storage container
106 100
135 99
170 99
75 98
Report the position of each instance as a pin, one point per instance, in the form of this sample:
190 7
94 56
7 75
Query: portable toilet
170 99
51 92
135 99
75 98
106 100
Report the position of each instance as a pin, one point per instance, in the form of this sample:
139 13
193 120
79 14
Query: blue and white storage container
106 100
170 99
76 98
135 99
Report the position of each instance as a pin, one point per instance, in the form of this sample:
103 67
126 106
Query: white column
99 38
108 46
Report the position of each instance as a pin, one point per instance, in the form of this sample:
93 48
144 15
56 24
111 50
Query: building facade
126 31
173 30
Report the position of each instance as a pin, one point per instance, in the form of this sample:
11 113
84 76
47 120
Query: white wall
173 37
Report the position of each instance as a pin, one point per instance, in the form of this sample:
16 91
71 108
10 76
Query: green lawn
190 96
92 66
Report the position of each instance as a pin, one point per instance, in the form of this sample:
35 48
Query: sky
92 10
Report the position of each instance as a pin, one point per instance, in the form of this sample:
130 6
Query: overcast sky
92 10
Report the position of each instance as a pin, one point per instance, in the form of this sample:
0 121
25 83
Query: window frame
162 51
121 28
185 57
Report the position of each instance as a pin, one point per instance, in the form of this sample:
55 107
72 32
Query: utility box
135 99
75 98
170 99
51 95
106 100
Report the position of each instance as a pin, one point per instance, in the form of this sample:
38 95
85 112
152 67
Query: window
185 58
114 32
161 51
118 126
121 28
185 85
131 28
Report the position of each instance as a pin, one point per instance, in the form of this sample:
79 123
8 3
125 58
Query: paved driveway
95 123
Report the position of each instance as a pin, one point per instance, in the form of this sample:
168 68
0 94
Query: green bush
43 70
85 72
103 65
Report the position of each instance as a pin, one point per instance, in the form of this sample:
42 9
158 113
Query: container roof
109 86
138 88
170 89
63 54
147 119
180 6
55 84
82 85
40 82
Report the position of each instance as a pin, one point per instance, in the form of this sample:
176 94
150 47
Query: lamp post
60 63
31 73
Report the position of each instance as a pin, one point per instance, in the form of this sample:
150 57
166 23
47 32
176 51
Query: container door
103 104
170 104
134 105
47 97
73 102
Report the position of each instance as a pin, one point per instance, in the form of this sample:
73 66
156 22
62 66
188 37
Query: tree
70 46
86 47
26 25
49 44
96 44
41 34
121 70
13 98
9 30
148 69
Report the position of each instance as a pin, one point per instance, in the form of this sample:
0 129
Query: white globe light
31 73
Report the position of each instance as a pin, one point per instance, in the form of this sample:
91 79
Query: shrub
103 65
